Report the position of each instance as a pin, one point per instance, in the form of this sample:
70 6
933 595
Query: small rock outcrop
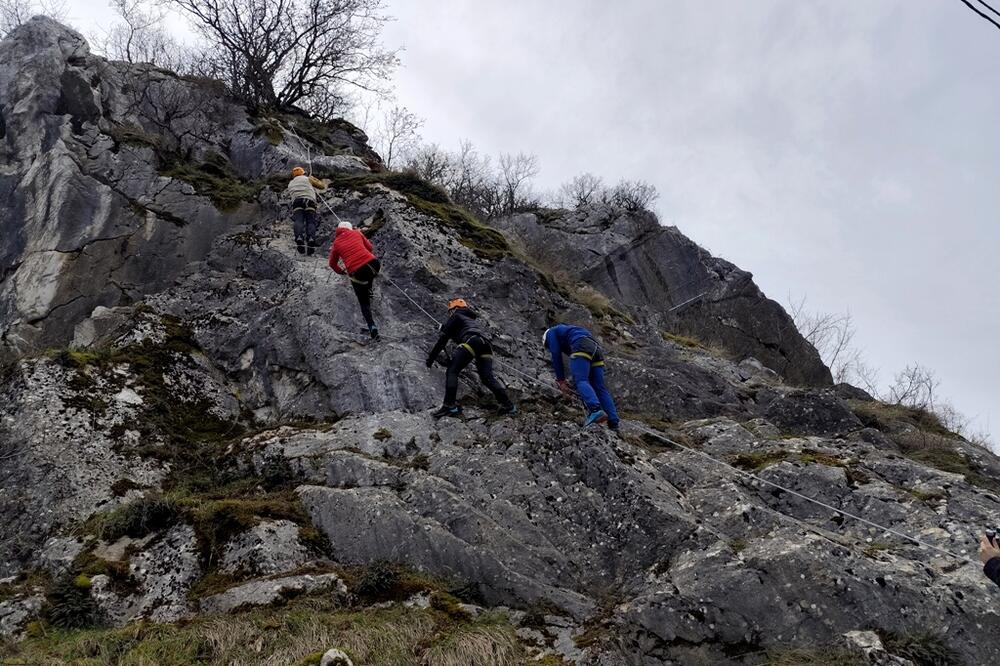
656 272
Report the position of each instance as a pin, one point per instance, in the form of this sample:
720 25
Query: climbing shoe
300 245
505 410
596 416
447 411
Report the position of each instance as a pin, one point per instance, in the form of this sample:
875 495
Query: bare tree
15 12
284 53
396 132
833 337
430 162
516 172
184 114
914 386
582 190
139 37
472 180
633 195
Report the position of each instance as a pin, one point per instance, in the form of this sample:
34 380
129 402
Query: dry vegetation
293 635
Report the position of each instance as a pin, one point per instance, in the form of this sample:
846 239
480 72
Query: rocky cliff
192 428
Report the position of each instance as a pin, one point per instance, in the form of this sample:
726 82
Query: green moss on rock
226 190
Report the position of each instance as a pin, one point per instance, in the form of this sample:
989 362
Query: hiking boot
596 416
300 245
373 331
311 246
447 411
505 410
613 426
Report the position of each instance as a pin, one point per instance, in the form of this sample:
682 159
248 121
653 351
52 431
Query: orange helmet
298 171
457 303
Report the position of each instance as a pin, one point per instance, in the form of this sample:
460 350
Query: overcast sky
847 151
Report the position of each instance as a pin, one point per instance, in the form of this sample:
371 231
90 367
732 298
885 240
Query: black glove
430 361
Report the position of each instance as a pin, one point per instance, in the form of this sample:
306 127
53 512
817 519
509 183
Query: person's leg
459 360
372 268
362 283
603 394
299 225
579 367
484 366
363 291
312 225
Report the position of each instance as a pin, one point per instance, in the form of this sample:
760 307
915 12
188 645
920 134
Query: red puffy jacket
351 246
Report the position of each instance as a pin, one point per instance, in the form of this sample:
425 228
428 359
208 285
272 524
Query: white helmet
344 225
545 337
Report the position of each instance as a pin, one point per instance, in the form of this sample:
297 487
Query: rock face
109 176
220 435
657 272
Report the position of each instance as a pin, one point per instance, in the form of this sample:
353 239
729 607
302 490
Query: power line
983 14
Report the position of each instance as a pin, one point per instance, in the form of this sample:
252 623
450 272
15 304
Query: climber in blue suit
586 364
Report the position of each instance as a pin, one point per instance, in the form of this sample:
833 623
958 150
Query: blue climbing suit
586 363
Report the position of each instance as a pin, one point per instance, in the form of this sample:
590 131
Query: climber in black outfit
471 343
989 555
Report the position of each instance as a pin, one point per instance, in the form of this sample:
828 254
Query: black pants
363 281
304 221
481 350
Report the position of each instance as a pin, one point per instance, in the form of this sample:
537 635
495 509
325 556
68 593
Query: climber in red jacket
351 247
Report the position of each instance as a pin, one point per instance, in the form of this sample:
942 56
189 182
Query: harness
304 203
589 356
372 270
465 345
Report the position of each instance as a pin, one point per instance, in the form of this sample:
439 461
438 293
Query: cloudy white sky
847 151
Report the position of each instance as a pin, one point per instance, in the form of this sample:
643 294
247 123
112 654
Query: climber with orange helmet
302 190
586 363
472 343
353 248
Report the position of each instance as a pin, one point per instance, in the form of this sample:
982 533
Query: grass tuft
813 657
922 648
890 418
138 518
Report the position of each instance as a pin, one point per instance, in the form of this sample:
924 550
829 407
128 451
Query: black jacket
461 325
992 570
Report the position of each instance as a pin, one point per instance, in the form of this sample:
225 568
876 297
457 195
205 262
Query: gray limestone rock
656 271
165 571
272 591
61 458
16 613
335 657
270 547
